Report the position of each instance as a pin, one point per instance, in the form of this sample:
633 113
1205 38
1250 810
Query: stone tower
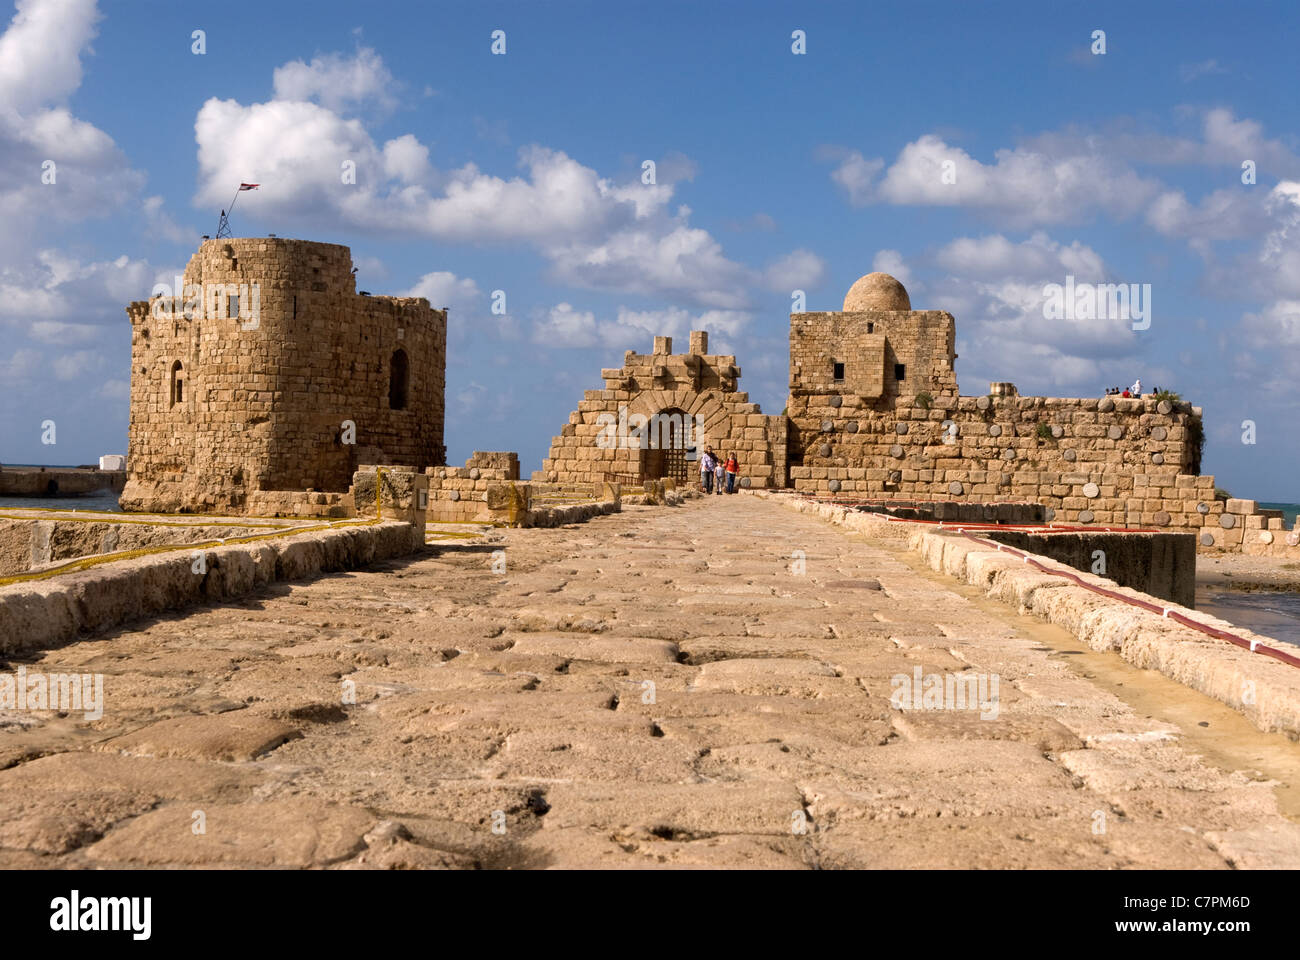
861 360
269 372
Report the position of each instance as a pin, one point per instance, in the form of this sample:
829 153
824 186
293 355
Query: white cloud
1075 176
994 287
566 327
891 262
444 289
1191 71
635 329
592 231
40 52
1022 186
115 390
22 366
56 291
40 68
796 270
856 175
72 366
336 81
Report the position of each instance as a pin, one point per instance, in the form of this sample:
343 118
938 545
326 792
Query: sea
107 500
101 500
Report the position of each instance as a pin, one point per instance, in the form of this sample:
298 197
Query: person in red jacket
733 467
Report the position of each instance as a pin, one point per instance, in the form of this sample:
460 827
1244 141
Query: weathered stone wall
264 396
1043 449
872 346
699 385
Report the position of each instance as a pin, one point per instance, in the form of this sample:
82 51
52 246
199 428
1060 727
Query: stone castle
269 377
269 407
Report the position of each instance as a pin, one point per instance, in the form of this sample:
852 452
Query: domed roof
876 291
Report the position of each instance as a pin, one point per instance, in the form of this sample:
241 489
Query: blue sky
775 172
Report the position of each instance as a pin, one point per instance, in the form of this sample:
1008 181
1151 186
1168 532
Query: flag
248 186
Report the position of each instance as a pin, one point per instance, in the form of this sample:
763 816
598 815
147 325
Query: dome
876 291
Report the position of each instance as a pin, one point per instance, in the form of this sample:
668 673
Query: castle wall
266 394
1109 461
871 435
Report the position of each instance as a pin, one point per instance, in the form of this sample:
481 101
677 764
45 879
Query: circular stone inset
1106 405
828 426
837 400
851 427
1162 519
876 291
1071 455
895 476
1115 432
1207 539
1265 536
1227 521
1157 458
1165 407
1008 454
983 403
1049 513
824 450
1085 516
955 487
896 451
1057 431
1158 433
744 481
1293 539
1202 508
1090 490
900 429
454 495
835 486
995 431
473 473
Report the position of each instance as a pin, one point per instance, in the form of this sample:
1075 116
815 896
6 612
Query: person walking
707 463
733 467
719 471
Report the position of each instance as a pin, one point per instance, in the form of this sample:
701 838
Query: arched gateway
657 413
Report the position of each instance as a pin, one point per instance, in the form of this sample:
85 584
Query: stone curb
44 613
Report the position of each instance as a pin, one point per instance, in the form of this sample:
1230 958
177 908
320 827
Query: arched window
178 383
399 378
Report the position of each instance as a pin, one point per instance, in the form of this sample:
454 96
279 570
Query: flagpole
223 225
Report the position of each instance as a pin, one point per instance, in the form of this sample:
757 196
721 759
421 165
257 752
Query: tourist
1136 389
733 466
719 471
1125 393
707 464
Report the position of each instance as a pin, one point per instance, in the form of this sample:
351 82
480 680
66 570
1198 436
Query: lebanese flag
248 186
